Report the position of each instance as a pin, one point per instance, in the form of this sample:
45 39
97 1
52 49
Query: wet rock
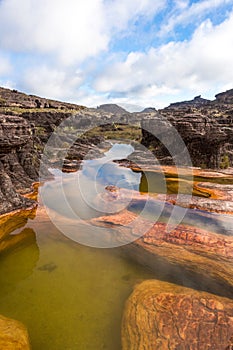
15 220
160 316
13 335
193 251
198 189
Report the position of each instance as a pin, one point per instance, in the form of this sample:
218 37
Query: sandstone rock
15 220
163 316
198 253
13 335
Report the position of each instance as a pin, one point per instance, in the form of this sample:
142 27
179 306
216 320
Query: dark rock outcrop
205 127
197 101
225 97
14 98
19 163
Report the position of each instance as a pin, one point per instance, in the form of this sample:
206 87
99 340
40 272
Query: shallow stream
69 295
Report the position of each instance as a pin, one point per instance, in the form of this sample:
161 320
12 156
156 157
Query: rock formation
204 255
205 127
14 98
13 335
18 162
160 316
27 121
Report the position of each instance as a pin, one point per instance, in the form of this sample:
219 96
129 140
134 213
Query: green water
69 296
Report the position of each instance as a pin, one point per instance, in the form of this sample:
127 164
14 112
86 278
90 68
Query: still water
69 295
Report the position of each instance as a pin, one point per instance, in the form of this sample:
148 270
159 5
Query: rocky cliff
26 123
18 162
205 127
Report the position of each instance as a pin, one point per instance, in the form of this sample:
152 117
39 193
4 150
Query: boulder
13 335
163 316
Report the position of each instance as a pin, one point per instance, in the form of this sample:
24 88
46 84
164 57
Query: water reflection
219 223
18 258
74 198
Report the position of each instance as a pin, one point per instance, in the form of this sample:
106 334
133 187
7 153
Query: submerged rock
162 316
13 335
202 255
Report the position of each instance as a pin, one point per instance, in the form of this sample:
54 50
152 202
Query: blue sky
136 53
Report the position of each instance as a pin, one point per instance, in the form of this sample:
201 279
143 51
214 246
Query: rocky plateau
38 133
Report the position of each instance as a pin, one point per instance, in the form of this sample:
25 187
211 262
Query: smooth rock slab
163 316
13 335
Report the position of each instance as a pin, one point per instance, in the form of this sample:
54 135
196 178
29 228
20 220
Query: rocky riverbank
26 123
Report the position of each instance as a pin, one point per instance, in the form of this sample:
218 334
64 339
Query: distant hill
149 110
112 108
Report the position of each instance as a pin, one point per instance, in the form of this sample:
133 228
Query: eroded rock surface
18 163
13 335
205 127
163 316
202 254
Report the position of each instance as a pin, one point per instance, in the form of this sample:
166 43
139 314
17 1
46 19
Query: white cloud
60 35
52 83
120 12
196 65
188 13
5 66
70 30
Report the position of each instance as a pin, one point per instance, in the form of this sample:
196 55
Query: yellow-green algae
68 296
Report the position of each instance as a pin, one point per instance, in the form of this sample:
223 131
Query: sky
136 53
